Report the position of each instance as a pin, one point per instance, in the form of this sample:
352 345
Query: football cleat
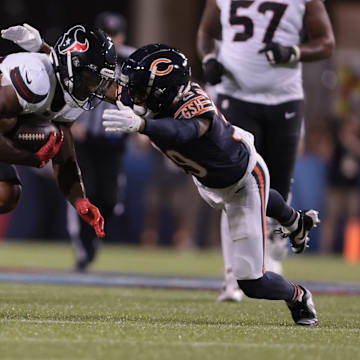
81 266
230 293
299 238
303 311
230 290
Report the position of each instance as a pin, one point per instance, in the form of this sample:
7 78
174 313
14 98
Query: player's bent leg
247 224
9 196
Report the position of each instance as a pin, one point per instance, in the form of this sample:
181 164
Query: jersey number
277 9
188 165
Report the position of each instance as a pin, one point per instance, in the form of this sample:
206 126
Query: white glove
25 36
123 120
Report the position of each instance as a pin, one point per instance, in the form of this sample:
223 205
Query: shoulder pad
32 85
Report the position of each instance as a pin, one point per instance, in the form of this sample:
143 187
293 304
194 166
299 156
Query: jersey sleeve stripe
22 89
206 103
186 104
205 110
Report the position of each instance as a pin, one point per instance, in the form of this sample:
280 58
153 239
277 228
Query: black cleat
299 238
81 266
303 312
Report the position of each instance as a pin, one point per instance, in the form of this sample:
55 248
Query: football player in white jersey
57 86
252 51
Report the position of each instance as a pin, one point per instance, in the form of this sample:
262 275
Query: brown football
32 133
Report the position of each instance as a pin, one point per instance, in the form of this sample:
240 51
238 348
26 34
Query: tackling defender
56 87
185 125
252 51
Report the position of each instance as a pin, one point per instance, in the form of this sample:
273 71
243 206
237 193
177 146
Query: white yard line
173 324
175 343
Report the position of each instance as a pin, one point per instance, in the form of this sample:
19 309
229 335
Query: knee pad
9 196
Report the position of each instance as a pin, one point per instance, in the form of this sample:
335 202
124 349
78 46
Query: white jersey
246 27
34 81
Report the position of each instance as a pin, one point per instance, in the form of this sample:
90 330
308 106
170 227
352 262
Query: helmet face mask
156 75
84 59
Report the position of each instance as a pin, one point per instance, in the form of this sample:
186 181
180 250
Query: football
31 133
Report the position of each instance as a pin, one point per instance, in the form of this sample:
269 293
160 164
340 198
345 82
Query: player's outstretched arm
27 37
318 28
124 120
66 169
69 179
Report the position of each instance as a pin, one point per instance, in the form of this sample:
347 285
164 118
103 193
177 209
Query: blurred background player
100 156
252 51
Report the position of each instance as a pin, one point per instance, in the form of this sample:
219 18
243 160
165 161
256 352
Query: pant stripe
259 176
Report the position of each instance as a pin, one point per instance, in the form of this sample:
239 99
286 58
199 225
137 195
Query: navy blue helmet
84 59
155 76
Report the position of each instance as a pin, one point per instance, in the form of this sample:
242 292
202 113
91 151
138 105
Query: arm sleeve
179 131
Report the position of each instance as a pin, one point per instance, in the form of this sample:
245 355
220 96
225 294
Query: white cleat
230 293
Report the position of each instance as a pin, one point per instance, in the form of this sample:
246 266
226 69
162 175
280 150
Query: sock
271 287
298 293
278 209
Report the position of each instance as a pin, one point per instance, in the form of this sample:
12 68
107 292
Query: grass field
77 322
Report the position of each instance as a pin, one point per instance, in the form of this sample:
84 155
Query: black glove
278 54
212 69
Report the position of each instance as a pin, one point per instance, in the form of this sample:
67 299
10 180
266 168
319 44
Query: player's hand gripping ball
31 133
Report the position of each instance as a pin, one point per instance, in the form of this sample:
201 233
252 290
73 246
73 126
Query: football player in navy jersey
157 98
252 52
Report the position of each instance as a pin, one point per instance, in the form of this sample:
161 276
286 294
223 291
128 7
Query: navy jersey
217 159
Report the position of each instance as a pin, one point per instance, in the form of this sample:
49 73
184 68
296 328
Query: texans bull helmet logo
74 40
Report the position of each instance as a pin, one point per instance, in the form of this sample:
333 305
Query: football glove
91 214
278 54
123 120
50 149
212 69
24 35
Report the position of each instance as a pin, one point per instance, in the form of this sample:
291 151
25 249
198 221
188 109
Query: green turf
83 323
53 322
166 261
